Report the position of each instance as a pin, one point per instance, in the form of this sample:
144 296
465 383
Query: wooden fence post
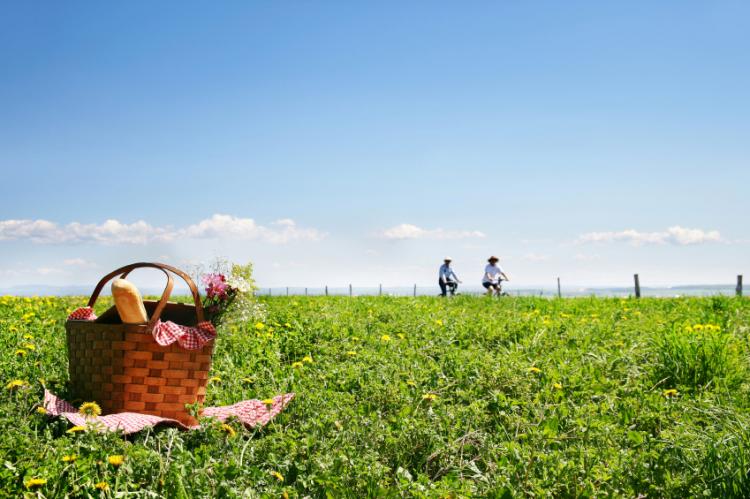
380 290
305 291
287 290
415 291
739 285
350 290
326 289
637 286
559 292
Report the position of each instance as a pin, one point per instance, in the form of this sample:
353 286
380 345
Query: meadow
416 397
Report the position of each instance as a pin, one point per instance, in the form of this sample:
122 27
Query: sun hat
447 259
493 258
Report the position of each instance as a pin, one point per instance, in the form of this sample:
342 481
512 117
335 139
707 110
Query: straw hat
493 258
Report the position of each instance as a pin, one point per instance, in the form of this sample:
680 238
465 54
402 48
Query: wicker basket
121 366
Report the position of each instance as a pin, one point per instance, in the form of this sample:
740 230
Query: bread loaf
129 302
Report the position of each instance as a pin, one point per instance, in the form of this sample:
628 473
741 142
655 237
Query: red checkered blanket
251 413
165 333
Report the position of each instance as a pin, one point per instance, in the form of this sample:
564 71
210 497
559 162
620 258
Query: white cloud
533 257
582 257
681 236
78 262
409 231
114 232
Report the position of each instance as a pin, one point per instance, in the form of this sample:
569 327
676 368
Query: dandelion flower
214 379
33 483
29 346
102 486
439 322
116 460
429 397
351 353
278 476
41 410
69 458
534 370
268 402
28 337
557 386
297 365
248 380
76 429
670 393
15 384
307 359
385 338
401 336
20 352
259 326
230 431
90 409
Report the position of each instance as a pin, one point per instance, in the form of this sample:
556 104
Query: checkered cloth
250 413
165 333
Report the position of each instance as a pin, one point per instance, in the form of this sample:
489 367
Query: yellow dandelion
307 359
297 365
534 370
102 486
248 380
41 410
429 397
286 324
351 353
278 476
259 326
76 429
557 386
90 409
355 338
385 338
438 322
228 429
28 346
670 393
33 483
27 337
268 402
20 352
214 379
116 460
401 336
15 384
69 458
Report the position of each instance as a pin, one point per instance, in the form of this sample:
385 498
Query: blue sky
337 142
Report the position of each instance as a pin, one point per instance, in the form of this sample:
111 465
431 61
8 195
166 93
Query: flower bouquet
229 293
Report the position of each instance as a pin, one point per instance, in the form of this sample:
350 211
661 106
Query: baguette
129 302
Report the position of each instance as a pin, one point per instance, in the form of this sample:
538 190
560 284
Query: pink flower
216 285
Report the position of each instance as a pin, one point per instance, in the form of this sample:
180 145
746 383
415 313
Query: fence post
415 291
287 290
350 290
305 291
269 291
326 289
637 286
559 292
739 285
380 290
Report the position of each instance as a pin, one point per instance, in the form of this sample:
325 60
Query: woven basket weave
121 367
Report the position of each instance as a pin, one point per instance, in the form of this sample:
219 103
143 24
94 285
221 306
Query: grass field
418 397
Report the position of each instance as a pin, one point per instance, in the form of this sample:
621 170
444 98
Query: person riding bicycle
447 279
493 276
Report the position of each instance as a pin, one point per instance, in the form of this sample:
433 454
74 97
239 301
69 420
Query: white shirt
446 274
493 271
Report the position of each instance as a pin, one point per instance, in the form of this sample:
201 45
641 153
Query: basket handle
124 271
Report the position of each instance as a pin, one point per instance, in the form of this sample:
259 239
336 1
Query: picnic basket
124 369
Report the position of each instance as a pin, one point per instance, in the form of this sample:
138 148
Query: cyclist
493 276
447 279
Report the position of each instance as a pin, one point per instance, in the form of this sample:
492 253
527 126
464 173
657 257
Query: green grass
532 397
